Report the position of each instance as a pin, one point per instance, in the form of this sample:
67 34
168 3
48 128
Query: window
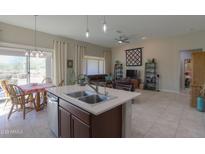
19 69
13 68
37 69
93 65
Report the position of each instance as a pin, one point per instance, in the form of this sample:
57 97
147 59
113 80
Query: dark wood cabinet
65 123
80 129
73 122
77 123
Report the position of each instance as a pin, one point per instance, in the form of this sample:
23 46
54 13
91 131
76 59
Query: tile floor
35 125
166 115
155 114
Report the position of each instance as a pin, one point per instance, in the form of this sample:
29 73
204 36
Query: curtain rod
21 47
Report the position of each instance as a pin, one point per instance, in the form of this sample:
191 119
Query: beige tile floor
155 114
35 125
167 115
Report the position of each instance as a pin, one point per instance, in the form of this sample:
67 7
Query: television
132 74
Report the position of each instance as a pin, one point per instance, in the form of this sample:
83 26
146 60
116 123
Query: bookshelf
118 71
150 76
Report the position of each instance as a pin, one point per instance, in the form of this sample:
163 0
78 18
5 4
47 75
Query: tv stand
136 83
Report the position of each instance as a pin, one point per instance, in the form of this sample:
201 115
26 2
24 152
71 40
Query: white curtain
79 55
107 57
60 61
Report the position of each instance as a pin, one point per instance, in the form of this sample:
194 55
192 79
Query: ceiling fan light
144 38
119 42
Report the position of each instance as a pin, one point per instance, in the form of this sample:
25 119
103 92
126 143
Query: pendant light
104 25
34 51
87 33
31 53
41 54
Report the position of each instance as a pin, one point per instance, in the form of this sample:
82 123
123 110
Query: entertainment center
134 76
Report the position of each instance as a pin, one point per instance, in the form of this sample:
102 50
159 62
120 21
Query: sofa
115 84
97 77
125 83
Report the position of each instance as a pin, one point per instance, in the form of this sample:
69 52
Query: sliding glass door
37 69
13 69
20 69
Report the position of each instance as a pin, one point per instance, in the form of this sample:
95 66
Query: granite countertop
121 97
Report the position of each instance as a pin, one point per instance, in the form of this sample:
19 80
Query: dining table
37 89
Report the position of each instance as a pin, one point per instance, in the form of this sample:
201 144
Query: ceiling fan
122 38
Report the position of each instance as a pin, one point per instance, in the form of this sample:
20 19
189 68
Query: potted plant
117 62
200 99
72 79
82 79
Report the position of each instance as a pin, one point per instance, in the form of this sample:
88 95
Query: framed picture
70 63
134 57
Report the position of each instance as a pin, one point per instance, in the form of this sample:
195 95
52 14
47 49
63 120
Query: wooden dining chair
4 86
61 83
43 95
18 97
47 80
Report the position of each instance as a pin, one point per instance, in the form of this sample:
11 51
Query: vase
82 82
200 104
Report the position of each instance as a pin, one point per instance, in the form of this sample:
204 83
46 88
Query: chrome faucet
96 88
105 91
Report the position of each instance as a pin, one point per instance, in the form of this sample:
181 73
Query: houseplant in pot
200 100
82 79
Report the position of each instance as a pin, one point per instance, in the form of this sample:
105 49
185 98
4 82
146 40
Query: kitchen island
76 118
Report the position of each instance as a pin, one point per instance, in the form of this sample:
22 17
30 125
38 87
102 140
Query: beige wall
23 36
166 52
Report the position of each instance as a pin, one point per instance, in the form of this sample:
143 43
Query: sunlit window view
37 69
93 65
13 69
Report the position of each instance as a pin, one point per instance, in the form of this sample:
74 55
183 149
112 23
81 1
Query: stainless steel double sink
90 97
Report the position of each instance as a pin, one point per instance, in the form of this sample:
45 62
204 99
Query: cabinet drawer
79 113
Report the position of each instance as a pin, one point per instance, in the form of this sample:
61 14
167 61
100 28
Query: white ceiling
134 26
